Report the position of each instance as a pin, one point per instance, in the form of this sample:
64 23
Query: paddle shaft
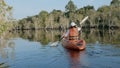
84 20
80 24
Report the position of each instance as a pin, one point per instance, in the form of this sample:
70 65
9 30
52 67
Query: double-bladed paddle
56 43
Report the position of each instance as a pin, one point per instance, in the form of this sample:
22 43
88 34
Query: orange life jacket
73 32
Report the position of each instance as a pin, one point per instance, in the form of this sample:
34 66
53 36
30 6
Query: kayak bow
74 44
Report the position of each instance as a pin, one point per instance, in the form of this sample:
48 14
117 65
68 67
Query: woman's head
73 24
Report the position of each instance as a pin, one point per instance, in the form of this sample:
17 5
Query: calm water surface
31 49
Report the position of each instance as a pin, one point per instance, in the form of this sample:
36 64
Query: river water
32 49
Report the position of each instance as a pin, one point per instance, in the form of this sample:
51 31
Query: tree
56 14
105 16
104 9
43 16
5 15
115 2
70 6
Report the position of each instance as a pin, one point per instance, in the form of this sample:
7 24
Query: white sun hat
73 24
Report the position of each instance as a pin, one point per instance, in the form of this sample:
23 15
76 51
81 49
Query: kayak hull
74 44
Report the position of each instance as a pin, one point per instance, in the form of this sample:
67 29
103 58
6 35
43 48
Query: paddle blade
54 44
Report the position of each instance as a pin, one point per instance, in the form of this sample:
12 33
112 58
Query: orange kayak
74 44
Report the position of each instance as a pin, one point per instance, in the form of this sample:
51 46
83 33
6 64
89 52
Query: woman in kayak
73 32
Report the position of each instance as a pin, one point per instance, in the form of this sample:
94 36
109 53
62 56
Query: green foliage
104 17
70 6
2 27
56 14
43 16
104 9
115 3
5 15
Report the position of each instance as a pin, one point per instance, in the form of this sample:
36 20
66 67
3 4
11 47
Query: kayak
74 44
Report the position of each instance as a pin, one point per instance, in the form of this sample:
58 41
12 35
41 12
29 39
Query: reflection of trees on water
7 50
90 35
42 36
104 36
